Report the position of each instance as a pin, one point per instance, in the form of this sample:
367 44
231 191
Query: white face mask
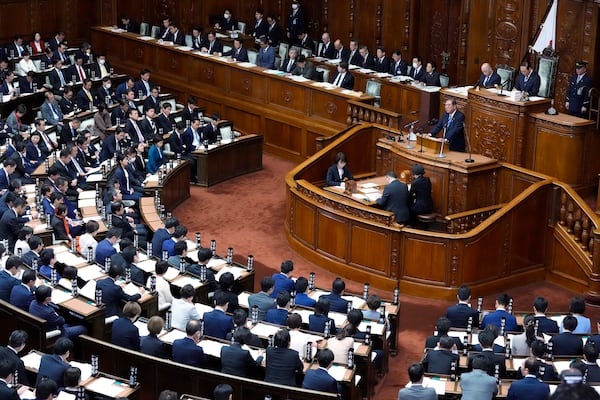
108 85
295 6
226 16
101 62
415 65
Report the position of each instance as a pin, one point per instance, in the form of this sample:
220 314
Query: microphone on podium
502 87
470 159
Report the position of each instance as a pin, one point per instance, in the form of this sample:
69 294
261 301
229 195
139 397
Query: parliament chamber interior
224 200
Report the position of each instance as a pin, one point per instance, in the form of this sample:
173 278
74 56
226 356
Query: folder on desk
86 369
32 360
171 274
89 290
60 296
105 386
202 308
439 384
211 347
264 330
236 271
62 396
91 272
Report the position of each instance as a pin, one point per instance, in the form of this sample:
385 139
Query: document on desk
86 369
87 202
91 272
181 281
70 259
63 396
94 178
147 266
202 308
243 299
131 289
338 372
105 386
215 262
401 78
145 38
366 71
87 194
32 360
171 274
273 72
185 48
151 178
236 271
60 296
29 395
298 78
172 336
89 290
246 65
93 170
211 347
264 330
439 384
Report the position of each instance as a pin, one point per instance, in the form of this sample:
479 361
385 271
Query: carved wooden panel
287 95
480 252
284 136
527 250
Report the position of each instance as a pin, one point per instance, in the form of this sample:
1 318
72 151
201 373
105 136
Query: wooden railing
362 112
594 111
465 221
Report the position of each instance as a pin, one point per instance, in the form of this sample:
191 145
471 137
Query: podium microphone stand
470 159
441 154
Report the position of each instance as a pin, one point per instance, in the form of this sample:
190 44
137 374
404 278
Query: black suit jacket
125 334
66 105
432 341
454 132
308 43
7 393
284 65
112 295
567 343
459 314
439 361
217 46
274 34
418 76
6 352
547 325
82 101
493 359
282 366
383 65
343 54
395 199
492 81
9 226
27 87
236 361
151 102
347 80
260 29
401 68
327 52
240 54
153 346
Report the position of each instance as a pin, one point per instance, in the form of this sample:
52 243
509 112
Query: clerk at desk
338 172
453 121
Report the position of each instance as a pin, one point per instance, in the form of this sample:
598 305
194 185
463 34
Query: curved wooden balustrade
524 226
363 112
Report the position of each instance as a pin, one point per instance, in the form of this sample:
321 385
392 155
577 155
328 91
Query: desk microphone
502 87
477 84
441 154
470 159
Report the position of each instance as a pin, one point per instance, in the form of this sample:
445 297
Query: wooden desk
565 147
414 101
175 187
289 114
228 160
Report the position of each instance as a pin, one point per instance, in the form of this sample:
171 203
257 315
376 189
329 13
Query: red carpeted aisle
248 214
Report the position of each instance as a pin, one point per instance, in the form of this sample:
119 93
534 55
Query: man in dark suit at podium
453 122
459 314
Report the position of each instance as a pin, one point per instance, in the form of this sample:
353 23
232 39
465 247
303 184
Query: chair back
325 72
283 50
444 80
155 31
252 56
547 67
241 26
507 74
144 28
188 41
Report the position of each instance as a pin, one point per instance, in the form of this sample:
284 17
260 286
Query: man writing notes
453 122
395 198
528 80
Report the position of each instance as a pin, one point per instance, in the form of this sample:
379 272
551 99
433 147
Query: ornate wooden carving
507 30
491 137
351 19
378 23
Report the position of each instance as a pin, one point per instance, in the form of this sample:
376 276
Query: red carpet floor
248 214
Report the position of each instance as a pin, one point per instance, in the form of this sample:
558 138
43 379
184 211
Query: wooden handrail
362 112
467 220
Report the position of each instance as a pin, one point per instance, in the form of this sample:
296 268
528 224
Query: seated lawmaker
432 77
318 320
419 195
283 281
183 309
452 126
216 323
338 172
186 350
495 317
54 365
42 307
302 299
342 77
124 332
319 379
337 303
236 360
156 157
282 363
567 343
439 361
151 344
528 80
112 291
489 78
279 315
238 52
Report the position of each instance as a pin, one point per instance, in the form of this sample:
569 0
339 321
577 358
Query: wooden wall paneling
243 120
332 235
364 23
283 136
15 19
369 249
481 28
527 251
341 22
423 260
487 250
396 30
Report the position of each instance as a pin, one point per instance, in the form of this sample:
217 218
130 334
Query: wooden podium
497 125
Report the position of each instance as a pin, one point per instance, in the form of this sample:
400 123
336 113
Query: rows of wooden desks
289 113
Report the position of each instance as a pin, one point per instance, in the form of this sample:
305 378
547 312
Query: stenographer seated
338 172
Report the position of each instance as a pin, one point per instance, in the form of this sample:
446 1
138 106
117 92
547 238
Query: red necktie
81 73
